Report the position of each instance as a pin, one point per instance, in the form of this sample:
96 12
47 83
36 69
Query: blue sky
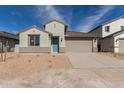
79 18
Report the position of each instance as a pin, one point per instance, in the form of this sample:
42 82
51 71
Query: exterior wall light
61 39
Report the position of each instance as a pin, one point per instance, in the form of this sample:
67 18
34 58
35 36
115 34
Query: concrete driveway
109 70
94 60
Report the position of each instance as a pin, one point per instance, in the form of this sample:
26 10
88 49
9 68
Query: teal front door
55 44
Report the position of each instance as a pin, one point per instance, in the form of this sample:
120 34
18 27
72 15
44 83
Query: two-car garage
78 45
80 42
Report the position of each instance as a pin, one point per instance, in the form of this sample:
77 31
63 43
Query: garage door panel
78 45
121 46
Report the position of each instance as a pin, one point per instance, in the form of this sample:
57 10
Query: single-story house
8 39
55 38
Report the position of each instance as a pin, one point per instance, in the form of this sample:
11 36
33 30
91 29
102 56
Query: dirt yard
90 70
118 56
18 65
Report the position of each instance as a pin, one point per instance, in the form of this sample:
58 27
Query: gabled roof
8 35
107 23
36 28
113 20
56 21
79 34
95 28
115 34
118 33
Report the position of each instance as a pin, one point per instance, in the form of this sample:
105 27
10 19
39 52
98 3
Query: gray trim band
35 49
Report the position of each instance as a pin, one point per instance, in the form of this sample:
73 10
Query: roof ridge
60 21
34 26
77 32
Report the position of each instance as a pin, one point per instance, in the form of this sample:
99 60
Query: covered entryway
55 44
78 45
121 45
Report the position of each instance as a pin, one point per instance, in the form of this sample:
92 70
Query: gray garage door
121 45
78 46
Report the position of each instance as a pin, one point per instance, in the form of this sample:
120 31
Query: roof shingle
79 34
8 35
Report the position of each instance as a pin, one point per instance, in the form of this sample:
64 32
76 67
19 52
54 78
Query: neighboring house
55 38
111 36
8 39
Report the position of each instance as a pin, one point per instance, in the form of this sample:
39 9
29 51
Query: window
107 28
34 40
122 27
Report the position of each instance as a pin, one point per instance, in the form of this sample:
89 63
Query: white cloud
48 12
90 21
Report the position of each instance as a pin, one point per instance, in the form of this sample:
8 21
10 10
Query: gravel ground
117 56
69 78
57 78
18 65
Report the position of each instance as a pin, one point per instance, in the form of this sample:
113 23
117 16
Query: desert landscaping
87 70
117 55
24 64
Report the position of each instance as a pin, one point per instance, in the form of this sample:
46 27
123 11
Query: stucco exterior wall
97 32
57 29
115 26
95 43
45 40
107 44
116 42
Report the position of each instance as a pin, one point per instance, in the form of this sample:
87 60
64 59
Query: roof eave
36 28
